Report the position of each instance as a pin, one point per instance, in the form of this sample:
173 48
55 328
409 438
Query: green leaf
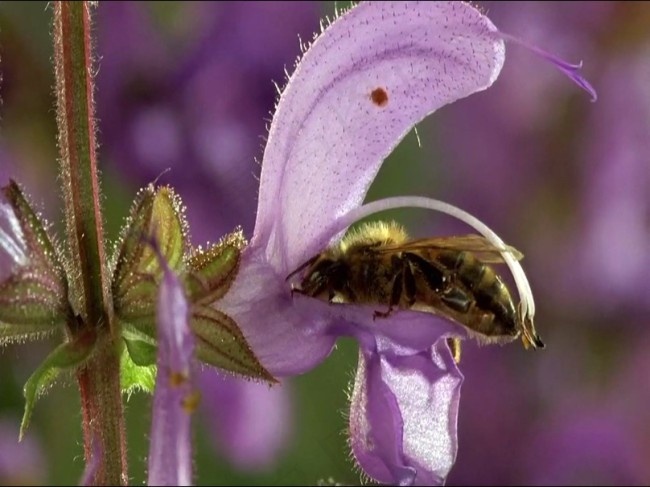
65 356
211 272
142 352
134 375
220 343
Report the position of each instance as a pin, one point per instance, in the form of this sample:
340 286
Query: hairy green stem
90 298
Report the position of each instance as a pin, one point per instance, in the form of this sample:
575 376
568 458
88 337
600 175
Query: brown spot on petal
379 97
177 379
191 402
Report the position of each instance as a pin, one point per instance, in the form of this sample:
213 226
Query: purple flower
92 467
359 89
13 242
250 420
194 105
170 454
20 463
611 252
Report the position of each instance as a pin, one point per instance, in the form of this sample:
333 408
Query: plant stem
103 423
99 380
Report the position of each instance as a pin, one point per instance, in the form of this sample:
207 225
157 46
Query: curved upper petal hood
330 133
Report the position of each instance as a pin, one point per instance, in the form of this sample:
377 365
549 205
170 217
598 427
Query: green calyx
212 271
35 301
34 295
158 214
219 342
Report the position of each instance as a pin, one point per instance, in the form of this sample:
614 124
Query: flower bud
156 214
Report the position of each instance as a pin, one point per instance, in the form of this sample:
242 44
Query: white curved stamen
527 303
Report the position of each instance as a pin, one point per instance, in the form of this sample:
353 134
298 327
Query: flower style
359 89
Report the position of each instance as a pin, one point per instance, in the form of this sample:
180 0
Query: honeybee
446 276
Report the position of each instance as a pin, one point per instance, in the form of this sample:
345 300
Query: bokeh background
185 90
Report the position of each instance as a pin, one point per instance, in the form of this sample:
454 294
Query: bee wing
481 247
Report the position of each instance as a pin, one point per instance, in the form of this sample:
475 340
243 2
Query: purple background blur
185 92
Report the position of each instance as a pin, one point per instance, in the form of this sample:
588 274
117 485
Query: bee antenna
302 266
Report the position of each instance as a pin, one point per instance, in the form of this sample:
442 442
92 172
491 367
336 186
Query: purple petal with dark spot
329 137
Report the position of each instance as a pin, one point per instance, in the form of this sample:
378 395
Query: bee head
323 276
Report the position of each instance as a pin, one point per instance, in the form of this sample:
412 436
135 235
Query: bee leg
409 285
296 290
331 295
395 295
312 292
434 277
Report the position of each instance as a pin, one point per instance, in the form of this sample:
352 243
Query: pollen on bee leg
455 348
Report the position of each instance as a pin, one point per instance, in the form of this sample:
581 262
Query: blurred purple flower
329 136
597 431
20 463
92 467
585 445
611 251
575 198
196 109
505 124
251 421
170 450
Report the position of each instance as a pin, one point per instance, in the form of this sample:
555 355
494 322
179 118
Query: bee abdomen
492 295
434 277
471 272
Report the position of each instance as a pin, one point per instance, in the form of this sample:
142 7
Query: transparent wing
481 247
